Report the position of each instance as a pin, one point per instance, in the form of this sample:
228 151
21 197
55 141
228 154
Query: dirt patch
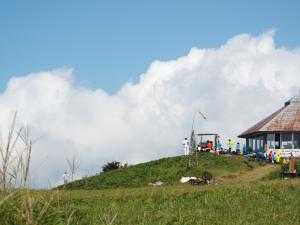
250 176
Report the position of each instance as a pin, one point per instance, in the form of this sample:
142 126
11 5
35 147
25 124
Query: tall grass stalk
18 204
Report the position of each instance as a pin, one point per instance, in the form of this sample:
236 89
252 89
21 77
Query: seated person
208 146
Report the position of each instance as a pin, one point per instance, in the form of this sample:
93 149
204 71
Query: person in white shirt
185 143
65 177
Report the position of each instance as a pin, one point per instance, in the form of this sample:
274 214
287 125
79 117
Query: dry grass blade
73 165
15 156
70 217
44 210
2 201
113 219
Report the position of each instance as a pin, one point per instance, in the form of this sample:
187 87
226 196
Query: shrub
111 166
284 167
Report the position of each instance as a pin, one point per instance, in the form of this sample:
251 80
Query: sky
107 81
108 43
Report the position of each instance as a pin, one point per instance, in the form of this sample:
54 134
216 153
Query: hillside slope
167 170
243 194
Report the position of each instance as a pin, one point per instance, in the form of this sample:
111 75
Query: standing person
245 152
265 156
229 144
219 145
278 158
186 146
270 156
274 158
238 148
65 178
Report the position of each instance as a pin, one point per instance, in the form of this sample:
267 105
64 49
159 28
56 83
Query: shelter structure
279 132
203 137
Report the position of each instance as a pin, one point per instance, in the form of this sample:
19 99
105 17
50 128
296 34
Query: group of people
238 150
205 147
208 146
271 157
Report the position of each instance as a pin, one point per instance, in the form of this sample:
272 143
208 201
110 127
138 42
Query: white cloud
234 85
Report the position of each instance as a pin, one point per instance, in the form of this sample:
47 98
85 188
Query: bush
111 166
297 164
285 167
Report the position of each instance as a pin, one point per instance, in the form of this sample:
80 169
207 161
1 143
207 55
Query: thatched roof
286 119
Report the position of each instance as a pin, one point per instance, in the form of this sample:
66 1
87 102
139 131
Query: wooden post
292 165
189 161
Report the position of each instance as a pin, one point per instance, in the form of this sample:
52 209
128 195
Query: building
279 132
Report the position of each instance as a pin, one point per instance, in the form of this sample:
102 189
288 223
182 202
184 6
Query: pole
197 156
193 121
190 144
192 139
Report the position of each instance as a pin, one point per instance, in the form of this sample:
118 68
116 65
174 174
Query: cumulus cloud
235 85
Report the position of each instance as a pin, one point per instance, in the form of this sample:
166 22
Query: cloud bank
235 85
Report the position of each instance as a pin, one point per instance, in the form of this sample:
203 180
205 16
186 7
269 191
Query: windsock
201 114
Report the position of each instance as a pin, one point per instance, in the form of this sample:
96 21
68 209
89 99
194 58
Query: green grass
255 204
246 196
168 170
264 203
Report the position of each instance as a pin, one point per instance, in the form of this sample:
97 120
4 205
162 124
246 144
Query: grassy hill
243 194
168 170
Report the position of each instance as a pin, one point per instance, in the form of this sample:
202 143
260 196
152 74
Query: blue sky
111 42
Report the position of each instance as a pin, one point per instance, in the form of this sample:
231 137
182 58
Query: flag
201 114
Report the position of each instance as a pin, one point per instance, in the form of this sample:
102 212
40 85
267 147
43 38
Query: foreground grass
271 202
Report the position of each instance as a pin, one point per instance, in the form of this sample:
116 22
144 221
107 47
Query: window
297 140
271 141
251 147
277 140
254 144
257 144
261 144
286 141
